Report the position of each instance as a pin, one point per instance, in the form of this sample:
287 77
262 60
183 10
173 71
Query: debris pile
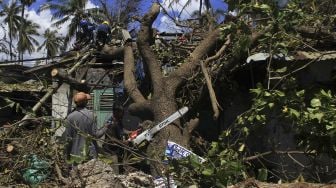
96 173
29 153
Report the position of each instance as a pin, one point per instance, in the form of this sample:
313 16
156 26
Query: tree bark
10 44
212 93
162 103
187 69
129 78
64 76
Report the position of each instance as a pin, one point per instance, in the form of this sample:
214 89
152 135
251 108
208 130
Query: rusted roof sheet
300 55
22 87
319 56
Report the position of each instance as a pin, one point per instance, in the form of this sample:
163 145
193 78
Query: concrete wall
61 106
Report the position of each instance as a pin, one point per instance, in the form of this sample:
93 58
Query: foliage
280 23
223 167
311 114
13 21
33 140
27 41
52 43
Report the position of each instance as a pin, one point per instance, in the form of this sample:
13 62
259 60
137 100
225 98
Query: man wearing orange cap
80 125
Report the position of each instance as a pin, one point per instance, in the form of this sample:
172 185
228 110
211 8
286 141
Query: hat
106 22
81 97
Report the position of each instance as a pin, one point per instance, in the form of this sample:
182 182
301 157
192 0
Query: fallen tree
223 50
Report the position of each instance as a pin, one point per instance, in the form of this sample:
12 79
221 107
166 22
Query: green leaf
294 112
262 174
214 148
329 127
282 70
315 102
300 93
241 148
240 120
265 6
194 161
279 93
317 116
245 130
267 94
324 93
75 159
270 105
208 171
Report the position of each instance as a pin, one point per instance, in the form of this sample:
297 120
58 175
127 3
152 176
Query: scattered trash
176 151
37 171
162 182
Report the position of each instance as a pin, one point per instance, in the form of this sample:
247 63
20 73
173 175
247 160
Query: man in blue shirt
85 33
103 34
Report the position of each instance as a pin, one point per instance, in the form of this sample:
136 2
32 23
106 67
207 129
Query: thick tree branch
60 176
63 75
191 126
220 51
212 93
213 99
129 78
186 70
144 42
143 110
316 33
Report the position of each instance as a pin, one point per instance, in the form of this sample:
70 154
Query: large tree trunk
20 34
10 44
163 101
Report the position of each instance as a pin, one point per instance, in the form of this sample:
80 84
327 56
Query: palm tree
52 43
13 20
23 4
68 10
27 42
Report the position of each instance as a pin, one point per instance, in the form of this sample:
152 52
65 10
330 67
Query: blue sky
162 23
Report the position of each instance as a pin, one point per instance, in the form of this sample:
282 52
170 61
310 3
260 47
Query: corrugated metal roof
21 87
300 55
320 56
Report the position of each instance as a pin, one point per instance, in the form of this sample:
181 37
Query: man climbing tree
103 34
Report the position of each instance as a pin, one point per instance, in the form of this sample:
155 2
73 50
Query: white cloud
177 6
178 11
89 5
167 25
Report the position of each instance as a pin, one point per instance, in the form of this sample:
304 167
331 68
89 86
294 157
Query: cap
105 22
81 97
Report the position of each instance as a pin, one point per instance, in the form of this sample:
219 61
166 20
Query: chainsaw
137 137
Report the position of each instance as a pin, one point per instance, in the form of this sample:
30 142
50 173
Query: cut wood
212 93
63 76
9 148
52 91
